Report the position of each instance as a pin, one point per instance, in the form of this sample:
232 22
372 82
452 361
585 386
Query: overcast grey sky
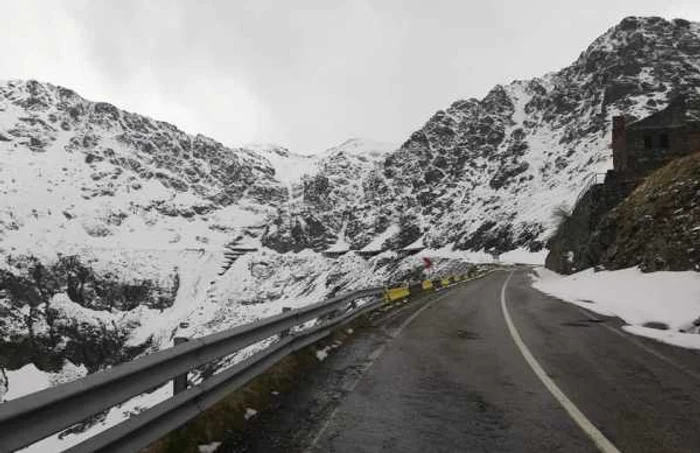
307 74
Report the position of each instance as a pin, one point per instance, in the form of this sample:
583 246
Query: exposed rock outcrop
658 226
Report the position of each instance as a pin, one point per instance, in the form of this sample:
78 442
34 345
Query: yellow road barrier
402 292
397 293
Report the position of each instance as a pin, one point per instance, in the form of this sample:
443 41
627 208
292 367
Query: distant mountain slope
288 167
322 198
361 148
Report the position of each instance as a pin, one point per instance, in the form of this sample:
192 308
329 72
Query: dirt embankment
658 226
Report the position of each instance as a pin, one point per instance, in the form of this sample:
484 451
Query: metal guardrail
34 417
31 418
590 181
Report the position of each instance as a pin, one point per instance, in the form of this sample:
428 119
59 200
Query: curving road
491 366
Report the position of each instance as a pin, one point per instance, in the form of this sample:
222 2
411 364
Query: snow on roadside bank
29 379
516 256
522 256
671 298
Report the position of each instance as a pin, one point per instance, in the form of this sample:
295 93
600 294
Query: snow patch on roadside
449 252
523 256
209 448
321 354
671 298
58 442
30 379
250 413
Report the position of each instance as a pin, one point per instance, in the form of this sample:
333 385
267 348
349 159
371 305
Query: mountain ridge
527 146
112 224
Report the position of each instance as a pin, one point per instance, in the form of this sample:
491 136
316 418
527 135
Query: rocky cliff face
654 226
327 201
99 174
96 205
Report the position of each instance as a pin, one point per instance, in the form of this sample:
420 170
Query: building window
663 141
647 142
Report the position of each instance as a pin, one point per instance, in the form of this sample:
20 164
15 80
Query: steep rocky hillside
486 174
102 215
113 228
101 176
328 196
658 226
502 163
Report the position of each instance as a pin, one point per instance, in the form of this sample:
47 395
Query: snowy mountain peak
362 147
639 41
289 167
272 149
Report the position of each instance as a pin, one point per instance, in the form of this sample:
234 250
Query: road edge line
581 420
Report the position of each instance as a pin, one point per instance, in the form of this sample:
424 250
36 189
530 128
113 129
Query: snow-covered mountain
114 229
77 173
291 168
113 226
106 219
321 197
364 149
487 174
288 167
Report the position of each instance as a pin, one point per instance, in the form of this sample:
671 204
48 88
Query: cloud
308 73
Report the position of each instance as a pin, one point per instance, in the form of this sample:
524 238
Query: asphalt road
445 374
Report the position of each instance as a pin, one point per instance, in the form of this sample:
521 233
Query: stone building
648 144
639 148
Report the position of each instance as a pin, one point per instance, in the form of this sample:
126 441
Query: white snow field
671 298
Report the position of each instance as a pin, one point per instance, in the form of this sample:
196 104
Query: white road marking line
596 436
372 359
642 346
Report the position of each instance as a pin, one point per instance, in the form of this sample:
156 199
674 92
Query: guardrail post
286 332
180 382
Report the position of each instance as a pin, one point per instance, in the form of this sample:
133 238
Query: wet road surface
444 374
